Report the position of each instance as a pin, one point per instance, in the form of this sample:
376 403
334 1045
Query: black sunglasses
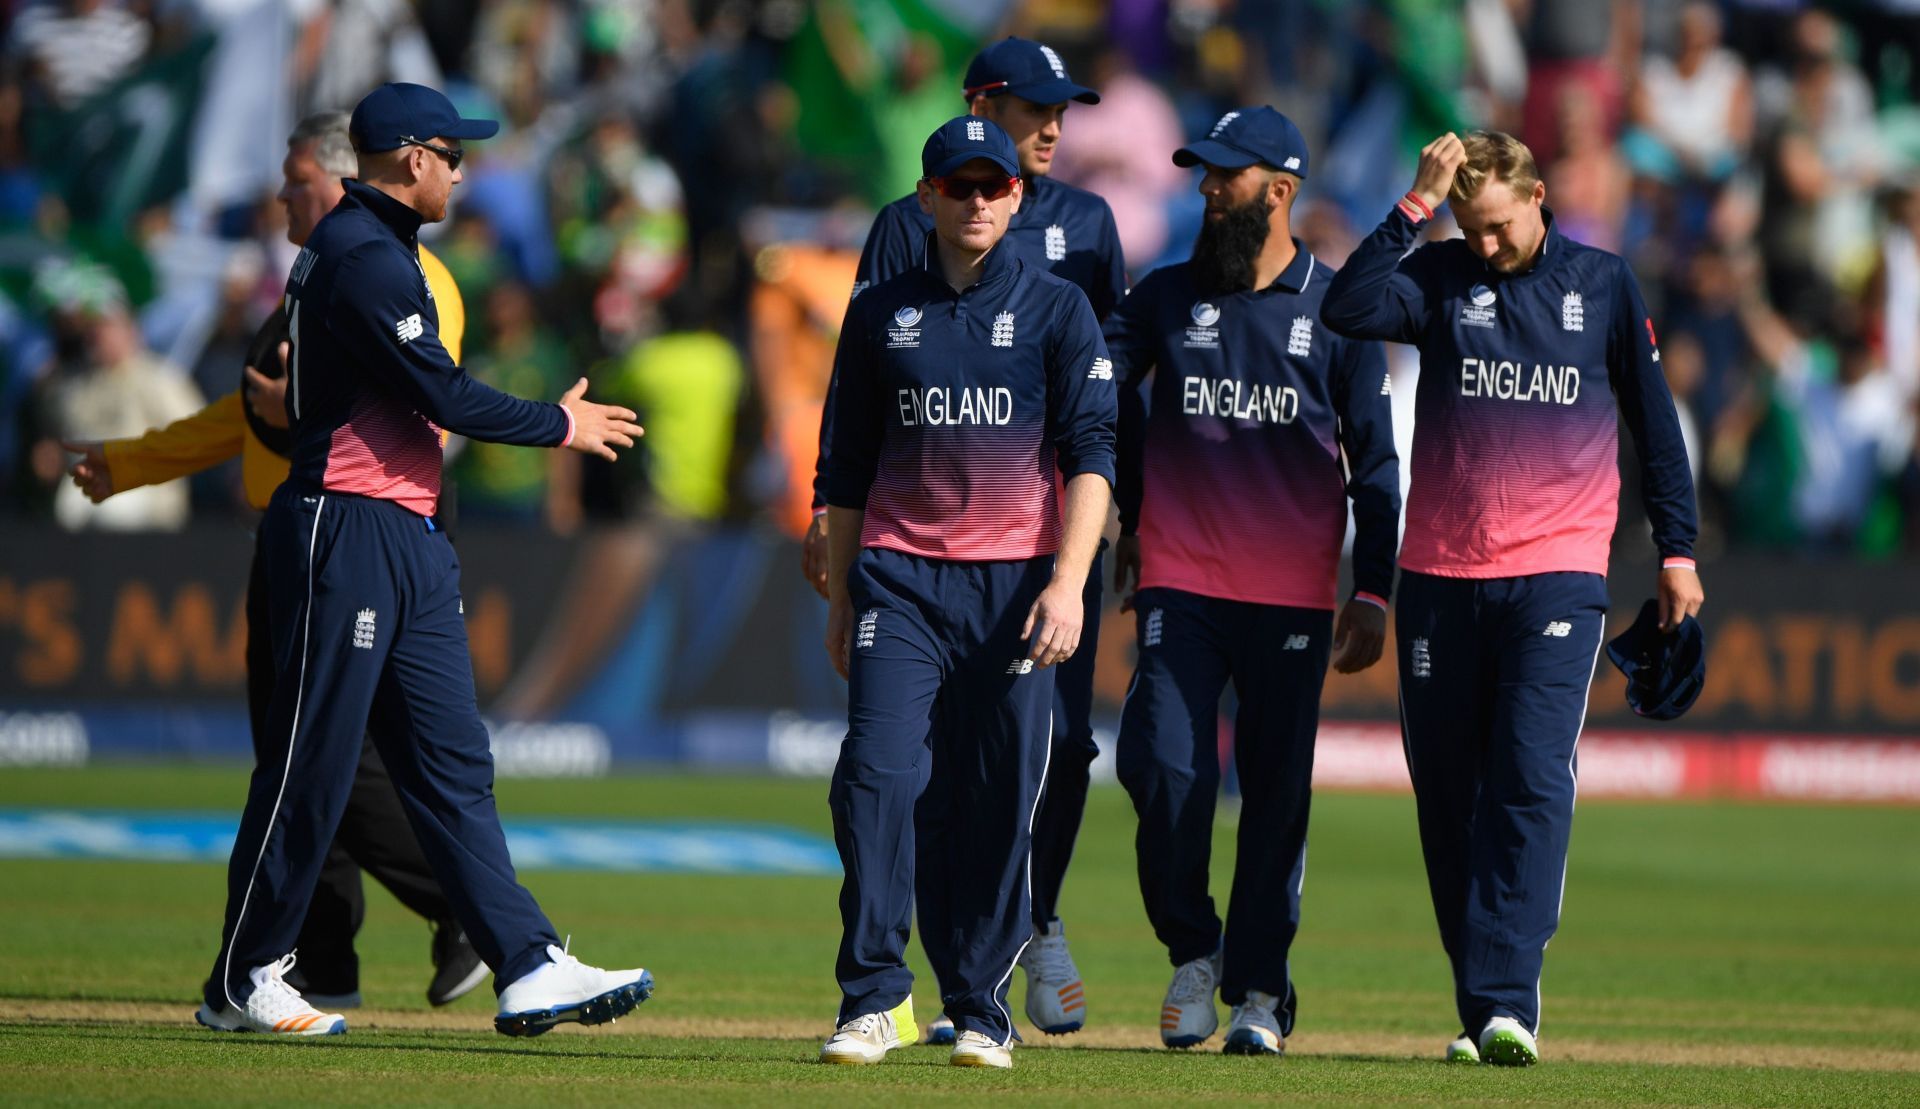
452 156
963 188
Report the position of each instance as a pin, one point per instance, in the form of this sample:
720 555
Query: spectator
512 485
71 49
1693 113
685 383
116 389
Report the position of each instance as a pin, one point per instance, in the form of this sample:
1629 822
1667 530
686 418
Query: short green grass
1711 954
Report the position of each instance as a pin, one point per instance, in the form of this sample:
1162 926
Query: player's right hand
1126 569
598 428
90 475
839 640
267 396
1438 161
813 555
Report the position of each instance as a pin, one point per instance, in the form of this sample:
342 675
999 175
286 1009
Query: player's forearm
1088 497
843 546
1370 298
184 447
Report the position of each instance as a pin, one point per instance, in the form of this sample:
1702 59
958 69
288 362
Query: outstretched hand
90 475
598 428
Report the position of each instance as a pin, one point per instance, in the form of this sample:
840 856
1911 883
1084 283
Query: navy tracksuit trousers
369 639
942 702
1494 676
1276 657
1069 765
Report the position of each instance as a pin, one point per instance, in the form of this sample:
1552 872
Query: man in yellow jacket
252 422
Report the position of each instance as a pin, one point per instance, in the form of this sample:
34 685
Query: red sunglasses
963 188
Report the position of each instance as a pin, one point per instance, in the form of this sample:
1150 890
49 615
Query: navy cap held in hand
1665 672
1026 69
962 139
394 115
1245 137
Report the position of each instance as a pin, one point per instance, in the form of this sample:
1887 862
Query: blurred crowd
680 189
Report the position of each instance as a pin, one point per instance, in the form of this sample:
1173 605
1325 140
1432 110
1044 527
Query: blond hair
1494 154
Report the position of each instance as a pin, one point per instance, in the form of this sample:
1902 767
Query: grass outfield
1711 954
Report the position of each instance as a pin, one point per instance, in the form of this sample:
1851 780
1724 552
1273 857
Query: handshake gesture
598 428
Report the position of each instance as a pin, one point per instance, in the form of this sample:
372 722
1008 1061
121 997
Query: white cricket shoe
1187 1016
567 989
273 1007
940 1030
1505 1042
868 1037
1463 1050
1056 1000
977 1049
1254 1029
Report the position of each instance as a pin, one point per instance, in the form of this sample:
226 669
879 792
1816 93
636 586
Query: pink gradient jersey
955 412
1523 381
1262 423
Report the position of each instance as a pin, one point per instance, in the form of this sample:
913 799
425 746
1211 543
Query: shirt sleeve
889 251
379 313
1365 416
1646 406
1081 413
1382 292
1130 345
854 419
186 446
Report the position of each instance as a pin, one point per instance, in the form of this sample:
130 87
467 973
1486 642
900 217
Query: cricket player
251 422
1233 496
965 387
1022 86
365 598
1531 346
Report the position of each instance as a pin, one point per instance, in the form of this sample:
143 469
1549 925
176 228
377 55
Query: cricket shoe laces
275 1006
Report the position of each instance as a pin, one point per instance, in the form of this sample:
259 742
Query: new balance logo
1292 163
1003 330
1295 643
1573 314
1300 339
976 130
858 288
1102 370
1020 666
869 623
1559 629
363 629
1056 243
1151 636
1422 659
410 328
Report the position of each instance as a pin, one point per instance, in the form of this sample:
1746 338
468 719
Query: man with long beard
1233 499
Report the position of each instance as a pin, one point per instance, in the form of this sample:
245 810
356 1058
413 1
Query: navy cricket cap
1665 672
962 139
1026 69
393 115
1244 137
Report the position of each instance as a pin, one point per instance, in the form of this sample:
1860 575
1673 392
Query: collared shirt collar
1299 271
404 221
1000 262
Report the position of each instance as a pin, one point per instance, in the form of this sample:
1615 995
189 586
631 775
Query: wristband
1373 599
1414 208
568 413
1678 562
